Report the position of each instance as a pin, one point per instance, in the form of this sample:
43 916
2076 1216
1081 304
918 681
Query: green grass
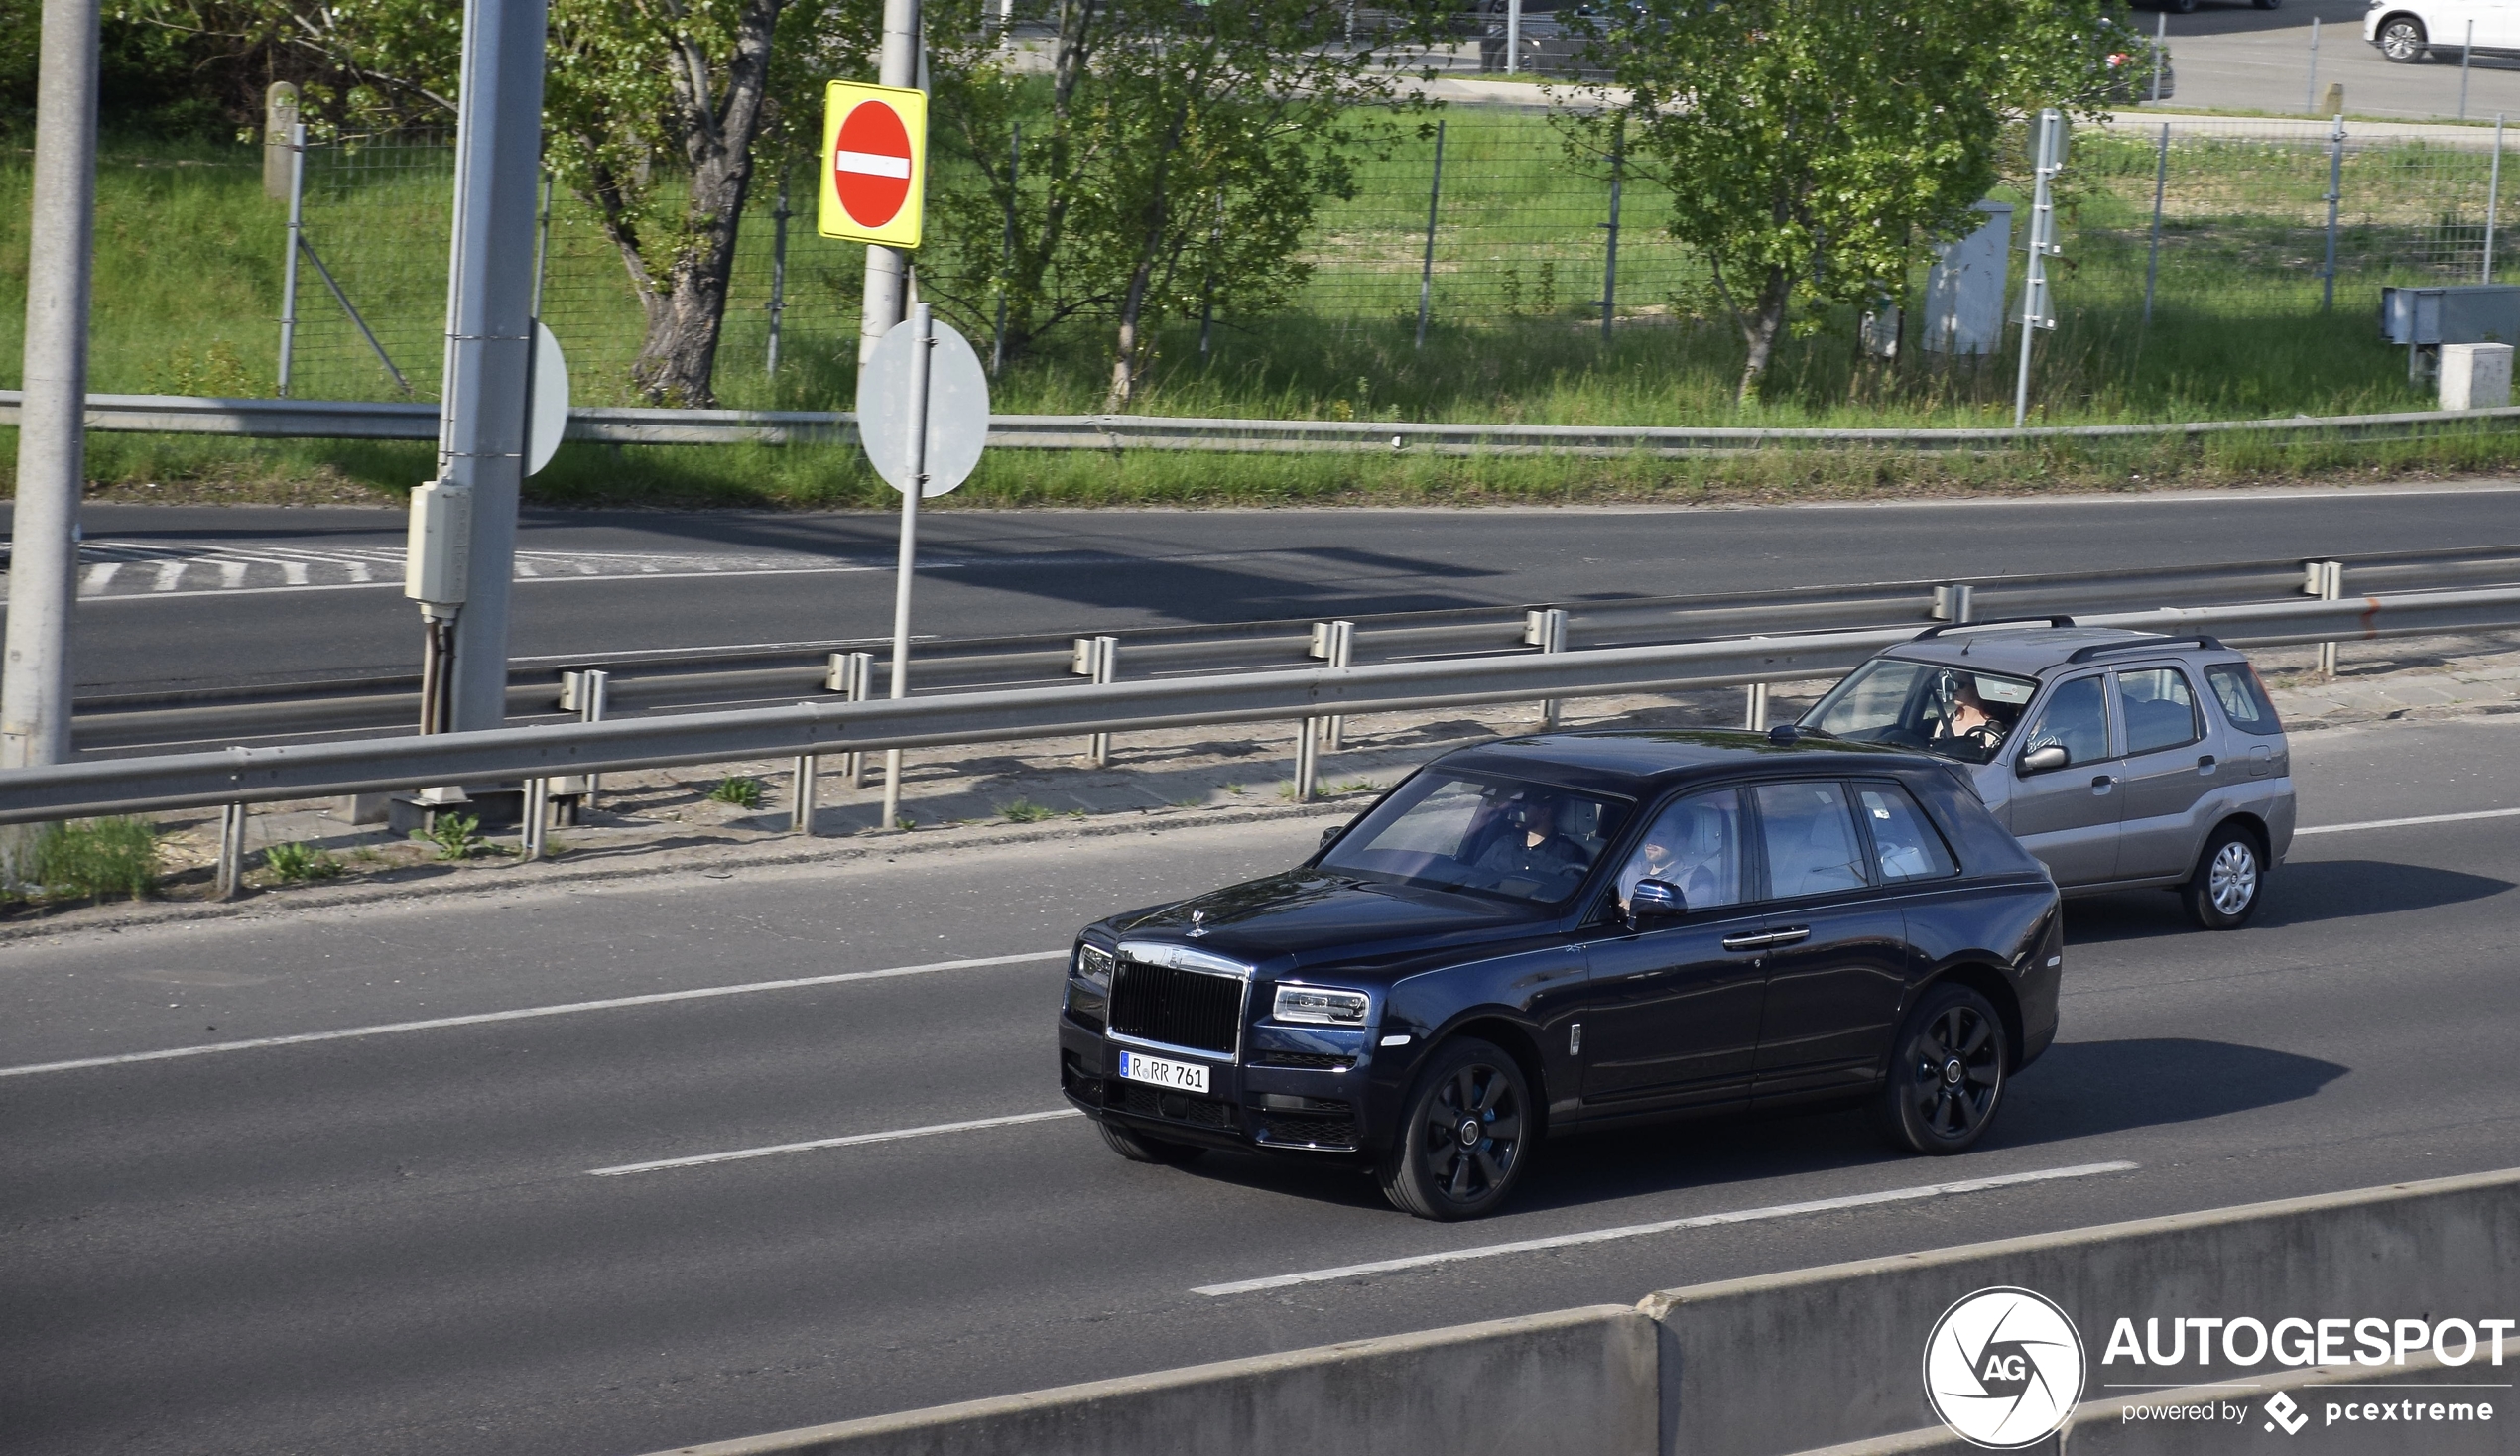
187 291
740 791
91 859
1025 811
298 863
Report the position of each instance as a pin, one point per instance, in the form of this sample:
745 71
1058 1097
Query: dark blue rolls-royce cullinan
1581 929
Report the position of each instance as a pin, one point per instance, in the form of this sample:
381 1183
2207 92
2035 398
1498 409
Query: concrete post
888 269
489 329
34 674
280 124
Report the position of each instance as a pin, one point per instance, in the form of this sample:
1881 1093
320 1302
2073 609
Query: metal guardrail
256 775
648 682
348 419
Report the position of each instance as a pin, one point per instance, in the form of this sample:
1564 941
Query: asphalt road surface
399 1242
185 596
2234 56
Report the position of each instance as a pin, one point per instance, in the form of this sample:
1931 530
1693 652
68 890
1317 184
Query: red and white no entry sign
874 146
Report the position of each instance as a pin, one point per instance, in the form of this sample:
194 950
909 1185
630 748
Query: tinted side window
2075 719
1904 842
2159 707
1809 838
2243 700
1696 845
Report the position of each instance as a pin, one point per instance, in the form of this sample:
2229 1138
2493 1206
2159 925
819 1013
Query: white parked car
2409 30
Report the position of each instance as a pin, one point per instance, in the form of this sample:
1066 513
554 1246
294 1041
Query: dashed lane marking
855 1140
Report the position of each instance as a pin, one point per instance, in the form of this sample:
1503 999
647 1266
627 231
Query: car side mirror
1655 900
2045 757
1331 833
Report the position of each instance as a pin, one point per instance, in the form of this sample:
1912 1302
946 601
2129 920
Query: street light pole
34 674
888 269
490 330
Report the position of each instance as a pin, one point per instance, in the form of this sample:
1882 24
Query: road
2237 57
188 596
393 1241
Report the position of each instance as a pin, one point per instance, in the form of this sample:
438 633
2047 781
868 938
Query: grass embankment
189 257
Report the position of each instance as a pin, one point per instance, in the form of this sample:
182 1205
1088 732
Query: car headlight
1321 1006
1094 966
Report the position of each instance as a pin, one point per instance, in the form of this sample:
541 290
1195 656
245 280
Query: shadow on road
2080 1088
2303 893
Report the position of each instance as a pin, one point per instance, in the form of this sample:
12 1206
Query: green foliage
1025 811
1823 146
298 863
95 857
742 791
1171 161
457 836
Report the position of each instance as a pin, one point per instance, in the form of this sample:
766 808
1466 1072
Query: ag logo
2003 1368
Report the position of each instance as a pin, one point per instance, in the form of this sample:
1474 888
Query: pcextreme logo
2003 1368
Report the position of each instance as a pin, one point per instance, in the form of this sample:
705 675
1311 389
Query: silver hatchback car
2122 760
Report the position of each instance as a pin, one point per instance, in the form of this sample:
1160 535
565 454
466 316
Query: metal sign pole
923 319
2034 284
1425 273
297 240
2336 195
2309 86
887 269
2493 201
2161 51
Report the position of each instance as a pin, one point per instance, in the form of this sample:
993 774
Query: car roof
2028 652
1636 763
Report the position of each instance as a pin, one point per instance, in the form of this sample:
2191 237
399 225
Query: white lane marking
1634 1231
895 1135
657 998
100 575
2406 823
231 575
875 164
170 574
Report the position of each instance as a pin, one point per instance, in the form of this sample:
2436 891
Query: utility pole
490 332
888 269
35 679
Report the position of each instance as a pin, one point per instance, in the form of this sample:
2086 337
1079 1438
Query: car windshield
1516 840
1957 712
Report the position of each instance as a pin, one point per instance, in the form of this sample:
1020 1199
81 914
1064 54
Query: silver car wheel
2402 41
2231 882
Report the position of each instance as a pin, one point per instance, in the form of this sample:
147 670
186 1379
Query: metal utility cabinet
2425 318
1964 294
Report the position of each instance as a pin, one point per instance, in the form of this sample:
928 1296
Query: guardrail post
231 851
1756 719
1545 629
1308 761
1097 660
848 675
1957 602
2324 580
1335 643
801 810
593 685
538 818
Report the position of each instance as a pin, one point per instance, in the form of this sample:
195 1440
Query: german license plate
1155 1071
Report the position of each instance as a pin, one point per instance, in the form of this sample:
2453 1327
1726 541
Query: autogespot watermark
2005 1367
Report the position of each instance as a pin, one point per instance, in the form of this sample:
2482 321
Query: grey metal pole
297 241
1426 271
923 318
1006 252
2161 51
1610 258
2493 201
2152 265
778 271
888 269
2335 193
35 674
543 245
2034 281
1513 37
2466 53
489 330
2309 88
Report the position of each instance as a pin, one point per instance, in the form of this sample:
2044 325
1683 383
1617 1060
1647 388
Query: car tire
1136 1146
2402 38
1946 1073
2229 881
1464 1134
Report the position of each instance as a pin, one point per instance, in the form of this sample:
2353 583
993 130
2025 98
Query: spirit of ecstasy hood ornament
1195 928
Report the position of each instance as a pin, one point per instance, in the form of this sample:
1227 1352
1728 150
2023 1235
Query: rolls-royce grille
1176 1008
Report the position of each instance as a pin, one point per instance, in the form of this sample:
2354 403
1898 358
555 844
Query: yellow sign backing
874 163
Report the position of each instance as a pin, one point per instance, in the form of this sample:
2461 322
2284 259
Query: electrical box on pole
437 557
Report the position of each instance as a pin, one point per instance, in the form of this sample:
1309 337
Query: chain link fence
1507 223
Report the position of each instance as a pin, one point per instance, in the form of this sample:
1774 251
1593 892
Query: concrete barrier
1822 1360
1572 1381
1824 1356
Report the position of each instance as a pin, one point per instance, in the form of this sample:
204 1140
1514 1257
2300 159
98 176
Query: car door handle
1759 940
2102 784
2205 765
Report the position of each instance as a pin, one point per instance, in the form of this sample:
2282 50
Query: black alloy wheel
1460 1145
1136 1146
2230 879
1947 1074
2402 38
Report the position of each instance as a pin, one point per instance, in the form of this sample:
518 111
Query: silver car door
2068 816
2170 769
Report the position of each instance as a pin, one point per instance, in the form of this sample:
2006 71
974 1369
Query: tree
1173 158
1822 146
652 111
